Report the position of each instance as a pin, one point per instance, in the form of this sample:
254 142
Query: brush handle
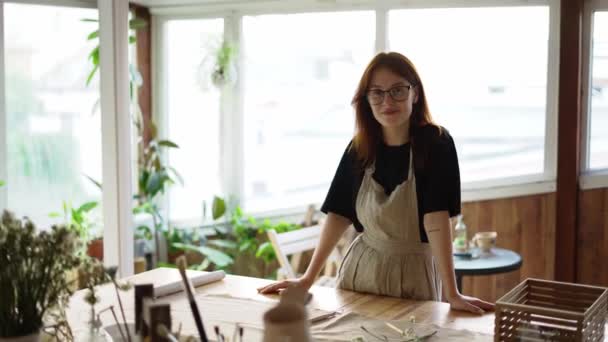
190 293
198 320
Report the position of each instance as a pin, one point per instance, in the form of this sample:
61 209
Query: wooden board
592 237
525 225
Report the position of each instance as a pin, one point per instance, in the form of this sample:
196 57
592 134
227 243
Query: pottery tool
401 332
236 328
324 317
181 264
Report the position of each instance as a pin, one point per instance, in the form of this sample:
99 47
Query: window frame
116 134
3 119
231 127
589 178
232 139
56 3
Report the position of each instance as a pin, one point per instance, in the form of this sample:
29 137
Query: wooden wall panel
525 225
592 237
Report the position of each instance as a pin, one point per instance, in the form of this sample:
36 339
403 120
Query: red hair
368 131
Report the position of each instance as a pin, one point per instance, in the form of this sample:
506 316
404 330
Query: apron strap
411 166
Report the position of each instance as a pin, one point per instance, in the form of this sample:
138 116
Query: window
53 123
485 77
301 71
492 88
598 144
193 117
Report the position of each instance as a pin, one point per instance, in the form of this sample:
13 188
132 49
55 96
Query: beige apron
388 258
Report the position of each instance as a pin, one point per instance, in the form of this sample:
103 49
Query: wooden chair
298 241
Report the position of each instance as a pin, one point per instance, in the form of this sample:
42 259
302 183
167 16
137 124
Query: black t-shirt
437 183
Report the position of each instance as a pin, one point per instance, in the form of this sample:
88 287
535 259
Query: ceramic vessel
286 322
485 240
113 332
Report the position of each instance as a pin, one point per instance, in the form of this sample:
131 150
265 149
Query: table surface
497 260
324 298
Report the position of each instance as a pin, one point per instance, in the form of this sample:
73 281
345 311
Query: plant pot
172 256
29 338
95 249
224 77
139 265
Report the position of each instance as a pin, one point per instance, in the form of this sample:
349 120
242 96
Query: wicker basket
542 310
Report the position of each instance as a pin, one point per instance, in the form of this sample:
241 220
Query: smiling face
388 119
391 98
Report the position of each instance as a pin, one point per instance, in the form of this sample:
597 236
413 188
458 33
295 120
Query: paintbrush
217 333
181 264
234 332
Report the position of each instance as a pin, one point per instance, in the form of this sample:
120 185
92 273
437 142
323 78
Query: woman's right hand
278 286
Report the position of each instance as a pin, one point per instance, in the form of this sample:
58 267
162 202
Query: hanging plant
224 72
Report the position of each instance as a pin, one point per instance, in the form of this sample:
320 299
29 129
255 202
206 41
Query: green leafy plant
154 175
214 256
224 70
2 183
134 24
79 220
32 276
214 251
251 239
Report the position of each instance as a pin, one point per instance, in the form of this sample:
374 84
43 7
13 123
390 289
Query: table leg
459 282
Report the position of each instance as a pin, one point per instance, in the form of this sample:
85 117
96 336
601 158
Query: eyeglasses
399 93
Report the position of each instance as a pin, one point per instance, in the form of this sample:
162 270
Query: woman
398 183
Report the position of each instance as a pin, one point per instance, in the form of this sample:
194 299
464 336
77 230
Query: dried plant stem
111 308
374 335
122 311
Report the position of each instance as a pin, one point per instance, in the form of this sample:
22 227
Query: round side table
497 260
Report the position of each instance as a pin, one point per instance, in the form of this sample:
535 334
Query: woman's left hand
471 304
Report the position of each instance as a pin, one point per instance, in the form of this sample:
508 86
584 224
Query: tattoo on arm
433 230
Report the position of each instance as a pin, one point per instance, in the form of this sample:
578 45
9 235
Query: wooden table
324 298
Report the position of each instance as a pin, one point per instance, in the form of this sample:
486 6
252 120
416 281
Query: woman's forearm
333 228
439 231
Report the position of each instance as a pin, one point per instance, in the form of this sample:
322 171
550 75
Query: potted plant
200 250
254 255
224 71
155 177
33 275
79 220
